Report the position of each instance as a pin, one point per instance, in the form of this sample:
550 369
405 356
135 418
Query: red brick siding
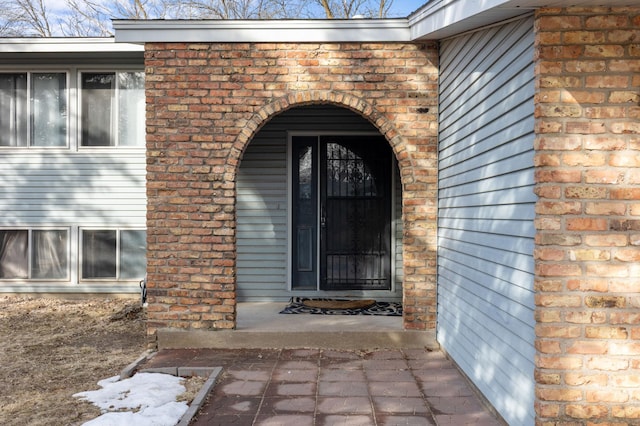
205 101
588 220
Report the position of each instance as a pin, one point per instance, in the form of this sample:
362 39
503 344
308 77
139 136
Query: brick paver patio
300 387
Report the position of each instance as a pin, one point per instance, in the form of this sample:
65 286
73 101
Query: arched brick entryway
205 103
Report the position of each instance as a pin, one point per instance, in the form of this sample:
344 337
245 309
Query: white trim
74 99
265 31
66 44
7 282
29 72
440 19
435 20
141 145
444 18
118 230
89 290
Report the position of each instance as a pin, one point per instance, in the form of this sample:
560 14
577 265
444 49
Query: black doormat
297 306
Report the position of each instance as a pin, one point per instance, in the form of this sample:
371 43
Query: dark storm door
346 244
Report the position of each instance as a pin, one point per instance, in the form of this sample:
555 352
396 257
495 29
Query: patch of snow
144 399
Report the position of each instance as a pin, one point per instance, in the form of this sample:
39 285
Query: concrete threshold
238 339
261 326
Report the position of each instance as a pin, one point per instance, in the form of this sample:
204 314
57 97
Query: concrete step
247 339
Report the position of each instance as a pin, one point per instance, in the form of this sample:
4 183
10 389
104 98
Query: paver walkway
301 387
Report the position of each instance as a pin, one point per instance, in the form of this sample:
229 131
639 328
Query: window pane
13 110
98 254
49 109
97 109
49 254
131 108
13 254
133 260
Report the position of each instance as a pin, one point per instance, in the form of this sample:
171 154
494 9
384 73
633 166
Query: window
33 110
113 254
34 254
112 109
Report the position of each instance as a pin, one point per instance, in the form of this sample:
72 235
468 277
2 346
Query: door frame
289 183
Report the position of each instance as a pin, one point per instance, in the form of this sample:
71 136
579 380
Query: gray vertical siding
262 203
486 212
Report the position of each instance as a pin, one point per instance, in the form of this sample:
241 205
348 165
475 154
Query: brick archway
386 129
338 99
205 102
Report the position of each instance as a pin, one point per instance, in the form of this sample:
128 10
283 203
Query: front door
341 213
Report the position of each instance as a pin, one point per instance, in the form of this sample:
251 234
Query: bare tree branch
347 9
25 18
327 8
35 14
87 19
233 9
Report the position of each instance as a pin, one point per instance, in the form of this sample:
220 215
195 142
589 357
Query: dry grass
53 348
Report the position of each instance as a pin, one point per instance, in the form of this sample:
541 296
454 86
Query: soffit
439 19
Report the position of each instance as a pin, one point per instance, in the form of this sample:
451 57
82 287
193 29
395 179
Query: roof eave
66 45
227 31
444 18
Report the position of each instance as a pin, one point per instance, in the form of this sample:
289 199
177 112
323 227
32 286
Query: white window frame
115 125
118 230
30 247
68 89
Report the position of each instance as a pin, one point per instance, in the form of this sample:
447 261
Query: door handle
323 217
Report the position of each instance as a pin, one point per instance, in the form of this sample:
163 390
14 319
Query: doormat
303 305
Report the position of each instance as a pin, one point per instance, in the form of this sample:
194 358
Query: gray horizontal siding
72 188
486 212
262 216
399 271
262 203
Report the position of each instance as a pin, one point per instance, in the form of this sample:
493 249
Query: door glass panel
305 249
305 213
348 174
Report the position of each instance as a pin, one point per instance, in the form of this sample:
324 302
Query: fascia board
443 18
435 20
276 31
66 45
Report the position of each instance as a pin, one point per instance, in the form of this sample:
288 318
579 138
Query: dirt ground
51 349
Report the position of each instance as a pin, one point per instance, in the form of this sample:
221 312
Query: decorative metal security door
349 210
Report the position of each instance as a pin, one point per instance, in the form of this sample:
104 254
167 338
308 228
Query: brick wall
588 216
204 104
